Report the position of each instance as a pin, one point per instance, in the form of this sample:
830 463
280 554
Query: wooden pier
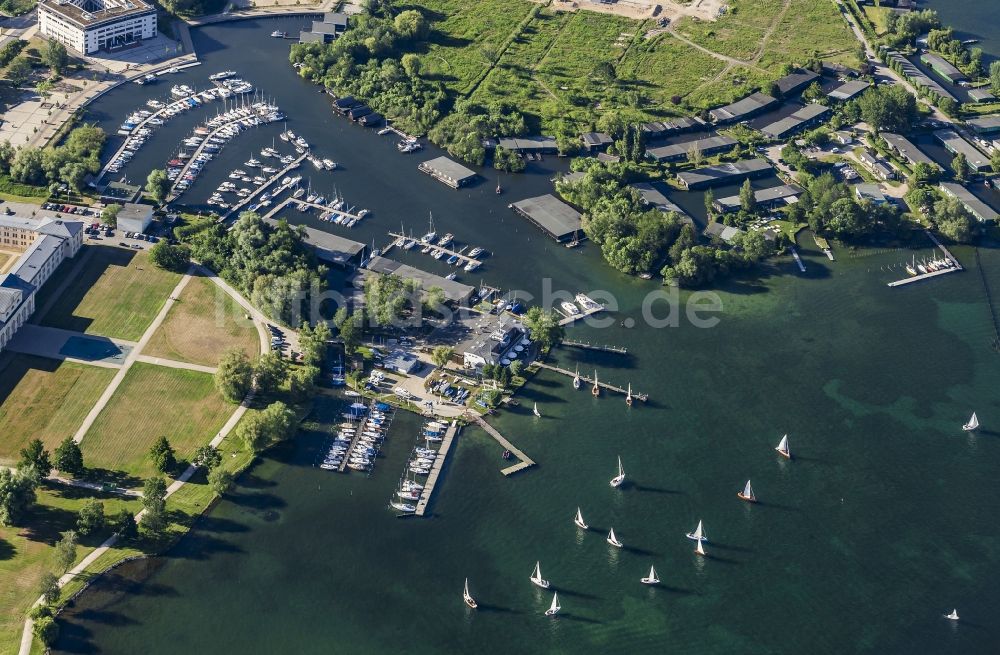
590 381
277 176
174 194
924 276
798 260
572 318
464 259
589 346
435 474
525 462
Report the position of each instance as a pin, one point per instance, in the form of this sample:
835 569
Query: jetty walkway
603 385
274 178
590 311
590 346
174 194
435 474
312 205
465 259
956 266
525 462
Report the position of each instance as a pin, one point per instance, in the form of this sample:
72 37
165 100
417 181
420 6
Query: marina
920 272
248 201
461 258
435 474
591 381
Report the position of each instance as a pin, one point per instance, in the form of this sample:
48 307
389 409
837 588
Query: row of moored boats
421 461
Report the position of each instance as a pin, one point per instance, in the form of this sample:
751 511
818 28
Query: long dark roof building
740 110
906 149
707 146
554 216
808 115
728 173
447 171
453 291
795 82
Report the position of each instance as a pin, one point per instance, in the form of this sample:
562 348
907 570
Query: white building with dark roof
88 26
43 244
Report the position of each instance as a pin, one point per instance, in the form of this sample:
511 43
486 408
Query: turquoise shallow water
882 523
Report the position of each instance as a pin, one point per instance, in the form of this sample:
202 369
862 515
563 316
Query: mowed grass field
117 294
44 399
154 401
202 325
28 552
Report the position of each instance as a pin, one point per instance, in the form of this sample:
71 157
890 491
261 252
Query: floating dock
277 176
590 381
589 346
464 259
435 474
956 266
525 462
572 318
798 260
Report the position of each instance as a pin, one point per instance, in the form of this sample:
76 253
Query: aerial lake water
882 523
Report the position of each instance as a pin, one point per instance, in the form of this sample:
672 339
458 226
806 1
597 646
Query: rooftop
906 148
794 121
453 291
848 90
87 13
919 77
977 207
51 226
722 172
706 145
529 143
448 171
762 196
725 232
551 214
330 247
794 81
956 144
943 66
654 195
744 108
985 123
871 192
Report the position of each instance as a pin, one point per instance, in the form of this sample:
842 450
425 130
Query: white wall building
88 26
43 244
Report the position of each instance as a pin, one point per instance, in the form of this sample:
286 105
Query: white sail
972 424
579 519
554 607
613 540
953 616
783 446
536 577
698 534
535 410
651 578
700 549
748 492
618 479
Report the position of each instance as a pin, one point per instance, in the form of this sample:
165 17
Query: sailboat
973 423
698 534
597 389
613 540
618 479
536 577
700 550
576 378
747 494
651 578
554 607
628 396
782 447
580 523
953 616
469 600
499 190
535 411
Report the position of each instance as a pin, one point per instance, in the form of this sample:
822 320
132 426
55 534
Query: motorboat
651 578
747 494
698 534
569 308
536 577
578 520
618 479
406 508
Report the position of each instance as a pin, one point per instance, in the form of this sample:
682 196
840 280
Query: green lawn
809 28
738 33
27 552
117 294
202 325
154 401
44 399
663 67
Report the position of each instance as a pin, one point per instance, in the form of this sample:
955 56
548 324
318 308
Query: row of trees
830 208
69 163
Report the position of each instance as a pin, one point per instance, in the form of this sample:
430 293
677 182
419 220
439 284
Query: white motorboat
747 494
618 479
408 495
698 534
578 520
569 308
467 597
651 578
613 540
783 449
973 424
403 507
536 577
554 607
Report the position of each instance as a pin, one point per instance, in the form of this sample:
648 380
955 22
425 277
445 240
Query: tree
953 220
46 629
888 108
207 457
35 456
961 167
604 71
162 454
544 326
258 430
69 457
268 372
221 481
516 367
508 160
48 588
54 55
411 25
91 518
123 524
19 72
66 550
109 215
17 494
441 355
710 205
995 160
411 64
154 502
170 257
748 201
158 185
924 173
234 375
302 383
349 328
995 76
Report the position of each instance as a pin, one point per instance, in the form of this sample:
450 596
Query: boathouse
848 90
985 125
344 104
794 82
556 218
808 116
535 145
662 129
357 111
905 148
447 171
943 67
455 292
728 173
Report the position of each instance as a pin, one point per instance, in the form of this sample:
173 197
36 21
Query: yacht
613 540
278 34
700 549
554 607
534 410
698 534
973 424
329 164
569 308
578 520
406 508
252 163
576 379
783 449
536 577
747 494
431 234
471 266
446 239
651 578
475 252
618 479
221 75
469 600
